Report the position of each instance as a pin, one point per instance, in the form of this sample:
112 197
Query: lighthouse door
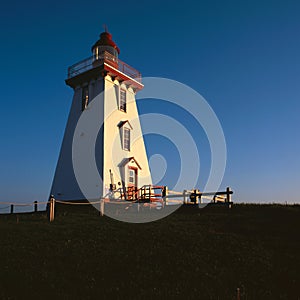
132 182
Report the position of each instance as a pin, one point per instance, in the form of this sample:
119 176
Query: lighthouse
119 149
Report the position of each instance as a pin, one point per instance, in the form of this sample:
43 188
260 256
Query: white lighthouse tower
120 153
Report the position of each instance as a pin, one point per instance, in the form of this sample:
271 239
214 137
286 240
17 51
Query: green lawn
192 254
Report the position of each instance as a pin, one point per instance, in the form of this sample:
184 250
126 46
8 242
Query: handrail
144 193
105 57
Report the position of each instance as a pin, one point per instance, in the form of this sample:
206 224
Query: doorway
132 183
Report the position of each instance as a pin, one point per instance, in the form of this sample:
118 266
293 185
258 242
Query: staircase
151 193
147 193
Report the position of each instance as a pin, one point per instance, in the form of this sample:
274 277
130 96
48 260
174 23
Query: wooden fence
168 197
196 197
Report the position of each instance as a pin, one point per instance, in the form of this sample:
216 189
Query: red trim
127 160
136 176
132 188
121 76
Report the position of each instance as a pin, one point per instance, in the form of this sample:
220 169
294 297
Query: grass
191 254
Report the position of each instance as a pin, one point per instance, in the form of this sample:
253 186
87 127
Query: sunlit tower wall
120 150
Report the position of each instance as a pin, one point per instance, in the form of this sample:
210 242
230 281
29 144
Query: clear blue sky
242 56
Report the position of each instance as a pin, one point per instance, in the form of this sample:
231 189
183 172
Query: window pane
126 139
85 97
123 100
131 176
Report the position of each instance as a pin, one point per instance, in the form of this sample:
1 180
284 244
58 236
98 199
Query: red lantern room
105 61
105 48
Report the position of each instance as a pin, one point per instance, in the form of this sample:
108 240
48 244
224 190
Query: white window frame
131 174
126 144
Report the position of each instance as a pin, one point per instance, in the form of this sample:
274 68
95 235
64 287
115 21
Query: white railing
105 57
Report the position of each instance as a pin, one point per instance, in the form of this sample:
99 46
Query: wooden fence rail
196 197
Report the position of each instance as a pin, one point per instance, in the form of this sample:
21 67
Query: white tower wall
64 184
114 155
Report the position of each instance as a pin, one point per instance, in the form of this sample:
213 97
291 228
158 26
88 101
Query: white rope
76 203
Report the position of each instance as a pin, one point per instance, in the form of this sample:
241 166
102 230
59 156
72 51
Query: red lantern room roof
106 40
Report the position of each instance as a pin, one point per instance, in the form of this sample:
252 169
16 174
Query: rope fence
76 203
13 205
5 207
23 204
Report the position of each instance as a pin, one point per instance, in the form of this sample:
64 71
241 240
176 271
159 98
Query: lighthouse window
123 100
126 139
85 97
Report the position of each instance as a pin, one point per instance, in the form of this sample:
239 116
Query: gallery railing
105 57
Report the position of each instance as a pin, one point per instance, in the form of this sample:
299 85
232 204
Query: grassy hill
192 254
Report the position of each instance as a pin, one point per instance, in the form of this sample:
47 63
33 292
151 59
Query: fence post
52 208
228 194
184 197
102 207
165 193
35 206
199 198
11 208
238 294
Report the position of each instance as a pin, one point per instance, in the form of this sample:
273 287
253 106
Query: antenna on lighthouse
105 27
